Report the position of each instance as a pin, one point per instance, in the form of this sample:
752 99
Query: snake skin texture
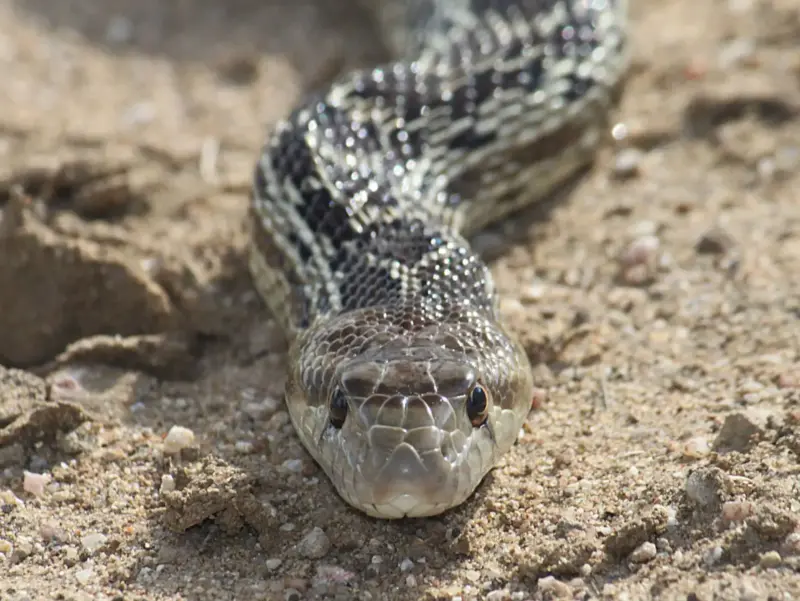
403 384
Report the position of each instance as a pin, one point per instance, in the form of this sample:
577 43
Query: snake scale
403 383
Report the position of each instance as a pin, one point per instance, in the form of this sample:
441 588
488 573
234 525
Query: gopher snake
403 385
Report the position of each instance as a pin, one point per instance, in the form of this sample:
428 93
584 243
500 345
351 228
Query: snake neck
403 261
396 164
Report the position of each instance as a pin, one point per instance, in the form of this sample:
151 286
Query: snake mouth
410 482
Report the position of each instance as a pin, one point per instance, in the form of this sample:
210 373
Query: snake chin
391 424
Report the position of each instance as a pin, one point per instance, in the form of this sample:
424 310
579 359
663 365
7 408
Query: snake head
407 417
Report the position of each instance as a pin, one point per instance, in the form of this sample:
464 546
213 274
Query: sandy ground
659 300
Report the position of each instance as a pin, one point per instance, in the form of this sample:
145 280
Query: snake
403 382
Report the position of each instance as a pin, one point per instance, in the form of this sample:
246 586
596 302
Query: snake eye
338 409
478 405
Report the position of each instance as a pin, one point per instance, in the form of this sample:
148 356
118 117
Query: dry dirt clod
737 434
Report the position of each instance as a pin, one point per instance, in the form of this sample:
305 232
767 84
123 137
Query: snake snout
410 482
409 405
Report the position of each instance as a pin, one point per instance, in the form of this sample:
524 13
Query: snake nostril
338 409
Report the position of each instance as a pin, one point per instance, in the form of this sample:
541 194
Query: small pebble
736 511
644 553
315 544
93 541
6 547
619 131
71 555
167 484
406 565
703 486
51 532
750 385
177 439
327 574
499 595
67 384
752 590
766 169
83 576
791 544
627 163
639 260
739 51
770 559
9 498
640 251
736 434
274 563
244 447
23 550
715 241
696 447
532 293
645 227
555 588
259 411
294 466
35 483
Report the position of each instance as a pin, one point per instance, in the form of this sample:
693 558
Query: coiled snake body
403 384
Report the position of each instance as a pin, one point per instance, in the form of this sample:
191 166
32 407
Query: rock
627 163
315 544
770 559
35 483
737 434
83 576
704 486
167 484
644 553
93 541
736 511
177 439
715 241
555 588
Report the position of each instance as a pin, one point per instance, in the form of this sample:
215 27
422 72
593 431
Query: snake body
403 384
